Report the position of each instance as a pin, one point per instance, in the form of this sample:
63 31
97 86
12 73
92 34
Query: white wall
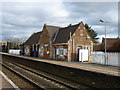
113 59
99 57
12 51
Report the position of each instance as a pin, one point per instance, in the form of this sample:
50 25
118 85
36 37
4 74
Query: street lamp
105 22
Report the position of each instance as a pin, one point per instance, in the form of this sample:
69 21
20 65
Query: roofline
31 36
87 31
111 38
52 26
60 44
32 44
55 36
67 27
48 33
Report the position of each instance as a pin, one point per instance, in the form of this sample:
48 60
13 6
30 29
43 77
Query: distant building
113 45
3 47
59 43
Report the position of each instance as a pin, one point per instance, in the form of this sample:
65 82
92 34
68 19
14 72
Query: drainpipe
70 45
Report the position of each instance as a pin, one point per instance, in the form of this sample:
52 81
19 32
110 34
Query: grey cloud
91 11
21 18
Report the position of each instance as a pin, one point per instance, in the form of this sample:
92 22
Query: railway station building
31 46
46 39
60 43
40 44
69 40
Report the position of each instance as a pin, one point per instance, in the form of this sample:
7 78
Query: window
57 51
61 50
80 47
27 50
41 49
81 30
65 52
86 47
81 34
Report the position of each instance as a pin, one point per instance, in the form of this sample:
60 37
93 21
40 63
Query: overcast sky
21 19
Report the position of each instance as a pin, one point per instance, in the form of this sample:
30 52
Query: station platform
6 83
106 69
99 68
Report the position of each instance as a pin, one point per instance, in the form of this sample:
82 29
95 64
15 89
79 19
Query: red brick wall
78 39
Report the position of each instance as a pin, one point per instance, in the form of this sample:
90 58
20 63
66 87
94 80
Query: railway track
49 75
42 79
20 81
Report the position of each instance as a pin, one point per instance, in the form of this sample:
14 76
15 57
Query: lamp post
105 22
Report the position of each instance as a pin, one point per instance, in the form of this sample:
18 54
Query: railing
99 57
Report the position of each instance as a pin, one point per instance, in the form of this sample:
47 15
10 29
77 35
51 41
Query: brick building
3 47
113 45
59 43
69 40
46 40
31 46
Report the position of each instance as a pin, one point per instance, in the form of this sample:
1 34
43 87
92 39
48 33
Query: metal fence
99 57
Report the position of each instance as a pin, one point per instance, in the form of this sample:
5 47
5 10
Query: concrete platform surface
6 83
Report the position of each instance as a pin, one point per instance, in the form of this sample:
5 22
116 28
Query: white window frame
65 51
57 51
61 51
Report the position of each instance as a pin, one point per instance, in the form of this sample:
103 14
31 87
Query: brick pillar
69 50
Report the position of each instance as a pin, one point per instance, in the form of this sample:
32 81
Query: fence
12 51
99 57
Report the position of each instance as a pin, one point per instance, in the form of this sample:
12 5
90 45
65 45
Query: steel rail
80 76
72 86
37 84
12 70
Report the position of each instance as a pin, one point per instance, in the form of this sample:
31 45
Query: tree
14 42
92 33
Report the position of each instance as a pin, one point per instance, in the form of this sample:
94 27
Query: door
78 49
55 53
78 54
83 55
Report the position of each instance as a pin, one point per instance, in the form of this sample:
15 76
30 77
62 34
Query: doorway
78 49
82 53
55 51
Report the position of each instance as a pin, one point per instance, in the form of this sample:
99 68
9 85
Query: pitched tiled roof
63 35
113 45
33 39
110 41
52 30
